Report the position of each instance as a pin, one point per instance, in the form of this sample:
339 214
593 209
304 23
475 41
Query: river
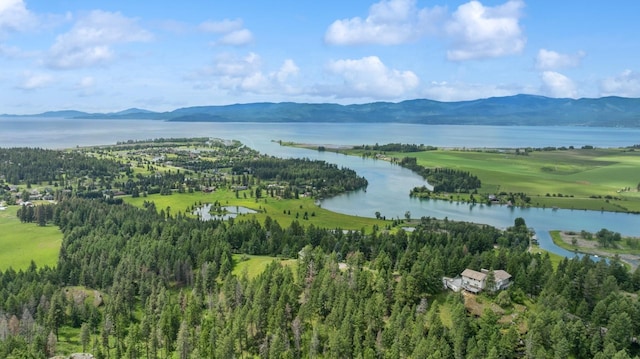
389 185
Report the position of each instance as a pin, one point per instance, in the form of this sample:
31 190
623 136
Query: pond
222 213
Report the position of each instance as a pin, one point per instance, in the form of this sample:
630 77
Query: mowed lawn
20 243
578 173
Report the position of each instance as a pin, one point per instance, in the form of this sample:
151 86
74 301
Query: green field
20 243
578 175
272 207
254 265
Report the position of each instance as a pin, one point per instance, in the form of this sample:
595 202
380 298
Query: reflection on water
221 213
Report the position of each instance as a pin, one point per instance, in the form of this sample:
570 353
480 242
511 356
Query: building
475 282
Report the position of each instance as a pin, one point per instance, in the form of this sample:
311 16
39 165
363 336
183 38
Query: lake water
389 185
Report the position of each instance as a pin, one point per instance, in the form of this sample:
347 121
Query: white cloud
246 74
369 77
558 85
86 82
86 86
477 31
236 38
14 16
221 27
34 81
10 51
459 91
92 39
551 60
389 22
232 32
626 84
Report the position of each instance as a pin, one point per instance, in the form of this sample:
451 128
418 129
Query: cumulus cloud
232 32
369 77
626 84
14 16
34 81
246 74
558 85
551 60
477 31
92 39
473 31
389 22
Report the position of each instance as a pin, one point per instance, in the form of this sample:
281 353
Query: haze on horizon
99 56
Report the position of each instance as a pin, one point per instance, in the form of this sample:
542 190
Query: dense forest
36 165
443 179
166 289
150 283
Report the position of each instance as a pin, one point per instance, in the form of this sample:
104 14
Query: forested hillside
167 288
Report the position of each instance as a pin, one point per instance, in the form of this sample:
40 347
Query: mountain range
518 110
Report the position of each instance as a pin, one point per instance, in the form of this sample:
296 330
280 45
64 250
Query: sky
107 56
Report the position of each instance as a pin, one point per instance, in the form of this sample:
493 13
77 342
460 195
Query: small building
455 284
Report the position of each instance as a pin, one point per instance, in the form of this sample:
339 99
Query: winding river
389 185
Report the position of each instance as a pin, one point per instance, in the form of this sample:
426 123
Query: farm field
20 243
598 179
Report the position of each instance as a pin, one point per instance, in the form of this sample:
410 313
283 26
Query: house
502 278
475 282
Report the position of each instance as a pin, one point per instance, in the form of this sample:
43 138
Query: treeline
319 177
162 140
444 179
396 147
36 165
41 214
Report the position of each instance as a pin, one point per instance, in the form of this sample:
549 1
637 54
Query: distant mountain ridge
518 110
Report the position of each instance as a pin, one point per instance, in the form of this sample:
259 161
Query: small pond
225 212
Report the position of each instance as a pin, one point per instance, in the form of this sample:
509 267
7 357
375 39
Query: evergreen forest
147 282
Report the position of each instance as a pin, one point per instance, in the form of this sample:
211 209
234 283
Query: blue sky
101 56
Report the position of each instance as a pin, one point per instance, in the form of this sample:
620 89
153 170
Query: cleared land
21 243
578 175
254 265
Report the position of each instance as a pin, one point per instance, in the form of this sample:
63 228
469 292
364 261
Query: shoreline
590 247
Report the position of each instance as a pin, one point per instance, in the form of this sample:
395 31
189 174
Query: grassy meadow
282 210
578 175
254 265
20 243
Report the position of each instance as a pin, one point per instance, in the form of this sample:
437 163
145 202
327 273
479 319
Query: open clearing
578 175
254 265
20 243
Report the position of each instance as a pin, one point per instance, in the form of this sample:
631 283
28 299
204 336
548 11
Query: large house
475 282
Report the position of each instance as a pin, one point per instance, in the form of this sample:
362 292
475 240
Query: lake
389 185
